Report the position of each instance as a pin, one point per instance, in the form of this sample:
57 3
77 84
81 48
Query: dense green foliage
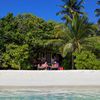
25 38
22 39
15 57
86 60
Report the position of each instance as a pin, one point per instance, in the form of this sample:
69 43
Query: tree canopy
25 38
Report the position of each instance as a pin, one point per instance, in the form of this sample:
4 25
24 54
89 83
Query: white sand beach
45 78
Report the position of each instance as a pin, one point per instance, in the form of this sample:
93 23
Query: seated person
55 65
43 66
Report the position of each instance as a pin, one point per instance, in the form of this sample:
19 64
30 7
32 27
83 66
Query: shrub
86 60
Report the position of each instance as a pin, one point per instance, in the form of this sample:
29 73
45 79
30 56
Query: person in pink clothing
43 66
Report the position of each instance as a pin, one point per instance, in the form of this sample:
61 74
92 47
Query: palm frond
80 3
92 43
53 42
98 2
65 49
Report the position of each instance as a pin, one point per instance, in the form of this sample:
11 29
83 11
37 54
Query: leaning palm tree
70 7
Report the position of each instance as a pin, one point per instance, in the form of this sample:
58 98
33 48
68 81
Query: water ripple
50 94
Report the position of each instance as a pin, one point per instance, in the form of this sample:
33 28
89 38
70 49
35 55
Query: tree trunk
72 61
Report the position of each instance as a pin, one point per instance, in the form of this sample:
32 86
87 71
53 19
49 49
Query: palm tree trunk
72 61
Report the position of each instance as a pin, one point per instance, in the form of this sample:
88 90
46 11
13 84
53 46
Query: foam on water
50 94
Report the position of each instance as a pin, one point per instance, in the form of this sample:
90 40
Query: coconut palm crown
70 7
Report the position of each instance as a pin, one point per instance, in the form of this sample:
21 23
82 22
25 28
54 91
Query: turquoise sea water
50 94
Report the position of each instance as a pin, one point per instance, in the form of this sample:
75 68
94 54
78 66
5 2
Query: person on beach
55 65
43 66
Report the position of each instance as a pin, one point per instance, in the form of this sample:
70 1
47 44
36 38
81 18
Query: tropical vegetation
25 38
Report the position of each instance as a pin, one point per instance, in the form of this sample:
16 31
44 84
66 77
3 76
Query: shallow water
50 94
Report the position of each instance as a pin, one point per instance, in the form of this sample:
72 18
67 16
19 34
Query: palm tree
70 38
76 32
97 11
70 7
